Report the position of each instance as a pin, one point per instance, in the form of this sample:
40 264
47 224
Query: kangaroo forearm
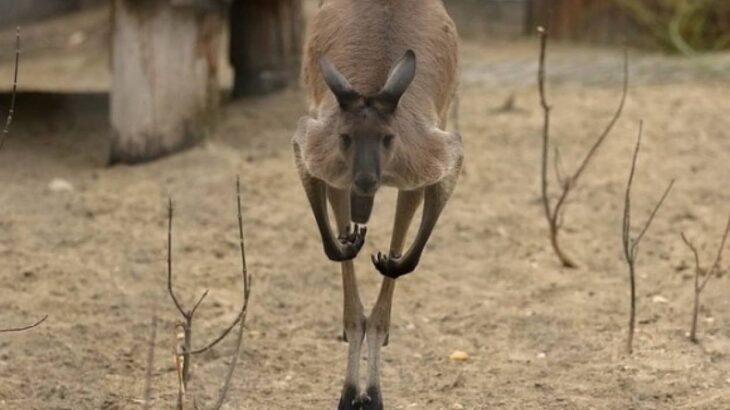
316 194
432 208
338 249
395 266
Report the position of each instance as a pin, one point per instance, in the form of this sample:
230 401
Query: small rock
457 406
659 299
60 185
709 320
410 326
459 356
541 355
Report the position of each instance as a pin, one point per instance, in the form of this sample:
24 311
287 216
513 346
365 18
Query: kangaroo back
363 38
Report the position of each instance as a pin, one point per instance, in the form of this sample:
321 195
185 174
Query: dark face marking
366 140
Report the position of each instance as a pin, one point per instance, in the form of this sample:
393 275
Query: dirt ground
538 336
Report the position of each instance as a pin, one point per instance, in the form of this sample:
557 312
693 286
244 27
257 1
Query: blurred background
250 47
181 96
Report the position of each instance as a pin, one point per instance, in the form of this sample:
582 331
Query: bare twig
554 212
197 304
631 246
11 110
718 259
24 328
181 335
246 295
245 277
150 363
187 324
169 259
557 165
699 286
184 350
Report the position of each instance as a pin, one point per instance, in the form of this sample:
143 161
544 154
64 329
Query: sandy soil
539 336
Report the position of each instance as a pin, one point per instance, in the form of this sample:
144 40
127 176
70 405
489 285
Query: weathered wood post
265 44
164 90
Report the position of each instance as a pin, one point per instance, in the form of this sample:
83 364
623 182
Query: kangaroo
380 76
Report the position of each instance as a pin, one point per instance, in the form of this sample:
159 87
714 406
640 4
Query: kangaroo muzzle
360 207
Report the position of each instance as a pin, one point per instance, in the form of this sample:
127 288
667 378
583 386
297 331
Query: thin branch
696 254
626 242
197 304
246 296
24 328
697 290
556 164
651 216
169 260
182 358
718 259
11 110
182 354
700 286
231 367
184 351
554 213
609 127
245 277
546 121
630 246
150 363
626 226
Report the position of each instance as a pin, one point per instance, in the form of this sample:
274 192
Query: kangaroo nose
365 183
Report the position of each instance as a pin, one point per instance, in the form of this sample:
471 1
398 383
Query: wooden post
265 44
164 85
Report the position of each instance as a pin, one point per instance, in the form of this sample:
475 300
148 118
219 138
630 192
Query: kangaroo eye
345 141
387 141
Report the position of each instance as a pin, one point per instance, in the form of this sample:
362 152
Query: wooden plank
164 91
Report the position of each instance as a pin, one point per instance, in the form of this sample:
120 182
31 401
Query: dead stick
554 213
245 277
630 246
24 328
187 315
246 296
700 286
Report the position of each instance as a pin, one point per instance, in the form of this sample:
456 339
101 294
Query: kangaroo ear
338 84
399 79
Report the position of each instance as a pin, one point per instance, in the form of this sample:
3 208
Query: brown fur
363 38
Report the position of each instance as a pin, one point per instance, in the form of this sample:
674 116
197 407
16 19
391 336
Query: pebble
60 185
459 356
659 299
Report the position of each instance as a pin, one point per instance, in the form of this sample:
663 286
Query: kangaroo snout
365 184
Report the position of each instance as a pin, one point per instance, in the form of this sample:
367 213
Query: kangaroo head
364 124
